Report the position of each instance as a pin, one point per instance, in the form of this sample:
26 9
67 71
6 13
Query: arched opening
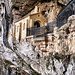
37 23
38 9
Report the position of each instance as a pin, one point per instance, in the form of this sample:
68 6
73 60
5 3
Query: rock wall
49 9
64 2
24 58
50 64
65 36
60 60
61 41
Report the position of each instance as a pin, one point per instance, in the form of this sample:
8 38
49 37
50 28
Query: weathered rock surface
65 37
49 8
64 2
24 58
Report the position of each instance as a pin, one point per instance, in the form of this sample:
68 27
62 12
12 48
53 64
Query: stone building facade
62 40
35 18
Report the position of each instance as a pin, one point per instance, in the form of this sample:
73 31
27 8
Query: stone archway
37 23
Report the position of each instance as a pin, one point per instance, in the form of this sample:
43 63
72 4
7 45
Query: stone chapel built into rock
46 36
33 19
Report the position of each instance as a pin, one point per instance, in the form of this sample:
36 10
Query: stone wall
32 60
61 41
64 2
65 37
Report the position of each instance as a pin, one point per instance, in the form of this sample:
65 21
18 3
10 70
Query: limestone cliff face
49 8
64 2
24 58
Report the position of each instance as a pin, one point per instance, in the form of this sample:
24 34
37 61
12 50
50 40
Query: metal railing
30 30
50 26
61 20
65 13
39 32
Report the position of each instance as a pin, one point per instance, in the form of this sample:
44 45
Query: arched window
38 9
37 23
23 26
